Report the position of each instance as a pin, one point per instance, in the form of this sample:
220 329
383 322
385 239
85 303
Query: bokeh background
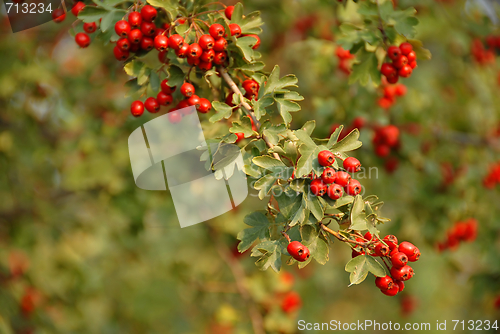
83 250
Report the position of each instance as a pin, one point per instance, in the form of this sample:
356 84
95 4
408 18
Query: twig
239 276
342 238
381 26
247 108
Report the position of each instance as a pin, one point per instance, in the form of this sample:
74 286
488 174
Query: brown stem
342 238
246 107
239 277
286 236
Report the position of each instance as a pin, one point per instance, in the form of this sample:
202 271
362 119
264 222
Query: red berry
342 178
164 99
328 175
58 15
147 43
353 188
257 44
207 56
235 29
388 70
393 78
193 61
77 8
384 283
399 259
412 56
405 71
408 248
162 56
205 66
137 108
174 117
298 251
392 291
123 44
122 28
183 52
216 31
120 54
205 106
152 105
326 158
400 90
251 86
82 39
90 27
194 100
381 249
240 136
135 36
334 191
400 62
175 41
220 45
385 102
415 256
229 12
405 48
390 135
206 42
403 273
194 51
135 20
318 187
161 43
391 241
413 64
220 58
352 165
393 52
291 303
187 89
148 13
400 284
368 236
148 29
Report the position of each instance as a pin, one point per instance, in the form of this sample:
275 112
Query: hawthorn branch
246 107
342 238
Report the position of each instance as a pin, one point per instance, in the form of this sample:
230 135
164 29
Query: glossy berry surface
335 191
326 158
298 251
342 178
161 43
137 108
206 42
352 165
318 187
82 39
204 106
187 89
135 19
216 31
148 13
328 175
90 27
152 105
399 259
122 28
175 41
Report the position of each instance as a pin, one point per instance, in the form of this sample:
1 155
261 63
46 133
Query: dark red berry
77 8
334 191
148 29
120 54
399 259
220 58
220 45
326 158
90 27
205 106
137 108
400 284
82 39
405 71
216 31
393 52
195 50
352 165
207 56
58 15
175 41
187 89
381 249
206 42
251 86
298 251
414 257
205 66
194 100
393 78
193 61
123 44
412 56
384 283
403 273
135 36
235 29
183 52
400 62
328 175
318 187
147 43
342 178
152 105
392 291
122 28
164 99
353 188
148 13
229 12
413 64
135 19
165 88
161 43
388 70
405 48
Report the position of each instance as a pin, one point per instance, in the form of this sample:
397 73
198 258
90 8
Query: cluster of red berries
404 60
493 176
333 183
460 232
345 59
81 38
251 88
398 255
385 139
164 98
483 55
390 92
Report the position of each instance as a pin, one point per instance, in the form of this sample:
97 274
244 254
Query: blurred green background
83 250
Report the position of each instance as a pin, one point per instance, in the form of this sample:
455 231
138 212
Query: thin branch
342 238
246 107
381 26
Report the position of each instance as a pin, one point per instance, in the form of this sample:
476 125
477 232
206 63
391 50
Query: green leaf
264 184
245 127
154 82
291 151
259 230
308 160
171 6
365 68
176 76
245 45
305 138
251 23
289 203
273 133
419 49
237 16
334 137
111 18
260 106
313 204
252 67
271 257
223 111
133 87
272 81
317 245
348 143
91 14
358 221
267 162
143 76
309 127
361 265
